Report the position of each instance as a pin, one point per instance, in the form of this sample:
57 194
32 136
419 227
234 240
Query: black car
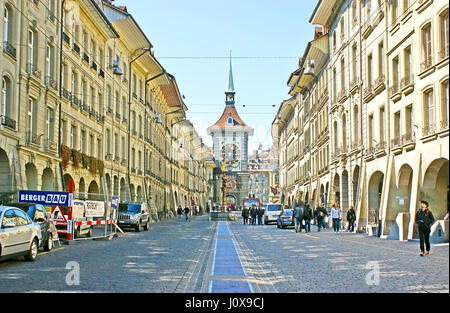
39 215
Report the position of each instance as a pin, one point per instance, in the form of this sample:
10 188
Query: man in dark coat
253 213
186 213
424 219
307 216
298 216
245 214
351 218
180 213
320 214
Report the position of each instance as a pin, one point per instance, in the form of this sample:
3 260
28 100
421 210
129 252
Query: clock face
230 153
231 184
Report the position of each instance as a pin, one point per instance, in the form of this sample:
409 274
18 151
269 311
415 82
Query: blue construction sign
46 198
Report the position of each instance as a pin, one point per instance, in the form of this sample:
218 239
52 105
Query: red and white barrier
95 223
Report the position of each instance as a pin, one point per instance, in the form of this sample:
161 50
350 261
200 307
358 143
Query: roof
230 87
230 111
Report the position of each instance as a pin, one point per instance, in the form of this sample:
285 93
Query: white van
271 212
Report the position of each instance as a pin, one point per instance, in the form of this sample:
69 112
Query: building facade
85 100
387 85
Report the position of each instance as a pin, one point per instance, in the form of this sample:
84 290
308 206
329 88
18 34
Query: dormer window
230 121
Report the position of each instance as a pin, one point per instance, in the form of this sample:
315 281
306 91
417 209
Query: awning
322 12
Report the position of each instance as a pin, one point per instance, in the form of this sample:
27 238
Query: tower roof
230 87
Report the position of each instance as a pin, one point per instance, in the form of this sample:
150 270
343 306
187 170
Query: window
395 70
7 29
356 124
397 125
31 47
99 149
444 105
394 11
133 158
91 145
73 131
6 97
426 47
354 13
369 70
108 98
124 107
50 124
405 5
83 141
117 103
428 108
380 59
343 75
342 29
74 83
100 103
49 62
92 98
408 64
334 84
108 142
31 116
116 146
444 21
371 131
408 120
382 124
21 218
123 148
354 62
230 121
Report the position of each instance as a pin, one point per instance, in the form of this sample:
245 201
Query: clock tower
230 144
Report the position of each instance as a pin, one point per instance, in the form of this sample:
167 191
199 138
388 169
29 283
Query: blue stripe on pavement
221 286
227 261
223 230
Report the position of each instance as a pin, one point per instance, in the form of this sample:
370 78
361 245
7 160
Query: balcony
109 111
33 70
74 101
124 80
396 145
65 94
135 95
84 107
427 63
118 116
379 84
369 153
133 170
76 48
92 113
342 95
395 92
123 162
50 82
108 157
443 53
429 130
124 120
356 145
407 84
94 66
368 93
100 118
444 125
51 16
8 122
9 49
354 84
380 149
33 139
51 145
408 141
117 159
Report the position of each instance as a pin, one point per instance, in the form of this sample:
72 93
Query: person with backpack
298 216
424 219
307 217
351 218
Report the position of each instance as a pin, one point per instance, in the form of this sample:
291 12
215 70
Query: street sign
58 215
46 198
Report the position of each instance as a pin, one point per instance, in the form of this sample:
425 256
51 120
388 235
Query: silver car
19 236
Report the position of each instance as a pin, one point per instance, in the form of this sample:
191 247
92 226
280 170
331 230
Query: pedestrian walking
320 214
424 219
351 218
307 216
253 213
197 210
298 216
180 213
186 213
260 216
245 214
336 215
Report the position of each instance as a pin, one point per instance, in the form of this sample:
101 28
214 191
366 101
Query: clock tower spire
229 99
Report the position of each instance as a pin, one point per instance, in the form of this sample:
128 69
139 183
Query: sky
192 39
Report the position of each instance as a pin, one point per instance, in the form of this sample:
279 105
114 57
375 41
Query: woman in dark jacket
425 219
351 218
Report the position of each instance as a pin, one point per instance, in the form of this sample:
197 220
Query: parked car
286 219
134 215
38 215
19 235
271 212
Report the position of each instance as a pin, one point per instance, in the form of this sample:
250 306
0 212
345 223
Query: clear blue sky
210 28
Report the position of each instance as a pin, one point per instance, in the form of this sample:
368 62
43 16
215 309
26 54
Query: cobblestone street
181 257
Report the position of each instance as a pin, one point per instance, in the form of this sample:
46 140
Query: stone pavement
180 257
